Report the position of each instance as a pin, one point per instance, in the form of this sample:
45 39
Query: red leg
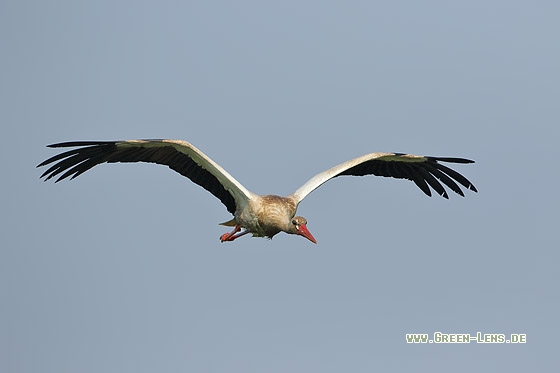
232 235
238 235
227 236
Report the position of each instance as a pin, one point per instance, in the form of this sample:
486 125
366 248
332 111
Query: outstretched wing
425 171
178 155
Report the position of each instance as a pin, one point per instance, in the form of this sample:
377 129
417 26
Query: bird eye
294 222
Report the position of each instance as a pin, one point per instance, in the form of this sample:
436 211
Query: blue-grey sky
121 270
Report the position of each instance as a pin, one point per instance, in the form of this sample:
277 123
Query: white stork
263 216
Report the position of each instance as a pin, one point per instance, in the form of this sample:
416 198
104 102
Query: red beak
303 231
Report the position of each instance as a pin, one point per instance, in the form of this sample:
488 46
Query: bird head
299 227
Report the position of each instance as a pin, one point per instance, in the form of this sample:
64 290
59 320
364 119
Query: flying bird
266 215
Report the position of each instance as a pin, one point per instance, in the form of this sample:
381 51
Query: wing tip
69 144
450 159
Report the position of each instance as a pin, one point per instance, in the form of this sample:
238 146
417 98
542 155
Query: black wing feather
431 180
418 179
89 154
445 179
425 174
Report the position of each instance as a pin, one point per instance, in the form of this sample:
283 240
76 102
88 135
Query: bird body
263 216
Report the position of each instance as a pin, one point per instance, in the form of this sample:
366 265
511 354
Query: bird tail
230 223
